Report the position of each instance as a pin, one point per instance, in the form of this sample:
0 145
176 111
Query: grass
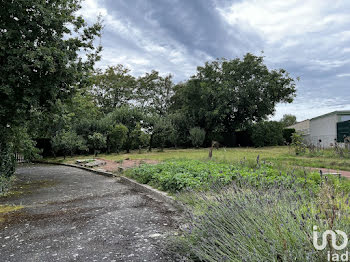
283 156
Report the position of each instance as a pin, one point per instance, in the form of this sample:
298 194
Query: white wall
324 128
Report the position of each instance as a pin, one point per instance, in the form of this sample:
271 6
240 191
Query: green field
283 156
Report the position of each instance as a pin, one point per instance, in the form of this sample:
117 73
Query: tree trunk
150 143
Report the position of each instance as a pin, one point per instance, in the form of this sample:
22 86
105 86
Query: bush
267 134
68 142
287 135
298 143
197 136
97 141
116 137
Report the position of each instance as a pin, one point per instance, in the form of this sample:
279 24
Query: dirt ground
112 166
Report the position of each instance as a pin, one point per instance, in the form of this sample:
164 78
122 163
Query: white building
323 129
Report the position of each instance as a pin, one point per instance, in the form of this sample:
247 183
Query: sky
308 38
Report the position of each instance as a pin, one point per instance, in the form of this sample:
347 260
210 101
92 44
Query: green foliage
68 142
226 95
116 137
23 143
287 134
138 137
197 136
243 223
175 176
267 133
42 42
153 93
288 120
96 142
298 143
7 160
162 131
113 87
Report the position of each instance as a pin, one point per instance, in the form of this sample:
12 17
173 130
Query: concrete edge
159 195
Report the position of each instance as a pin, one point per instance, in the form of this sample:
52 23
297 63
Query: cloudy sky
309 38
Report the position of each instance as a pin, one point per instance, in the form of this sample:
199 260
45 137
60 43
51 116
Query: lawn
283 156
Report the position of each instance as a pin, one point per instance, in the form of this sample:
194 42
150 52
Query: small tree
298 144
67 142
197 136
288 120
117 137
97 141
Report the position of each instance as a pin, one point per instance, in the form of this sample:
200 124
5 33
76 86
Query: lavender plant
242 223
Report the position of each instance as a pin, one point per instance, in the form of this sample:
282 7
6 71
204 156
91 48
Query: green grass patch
281 155
177 175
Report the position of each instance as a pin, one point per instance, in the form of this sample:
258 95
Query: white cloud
275 20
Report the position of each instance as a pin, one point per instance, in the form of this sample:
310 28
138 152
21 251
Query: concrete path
343 173
74 215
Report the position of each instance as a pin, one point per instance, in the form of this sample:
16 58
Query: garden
250 187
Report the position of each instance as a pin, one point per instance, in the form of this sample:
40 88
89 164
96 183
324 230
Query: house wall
324 128
302 127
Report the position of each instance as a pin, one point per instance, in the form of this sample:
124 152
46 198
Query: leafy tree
197 136
117 137
267 133
129 117
42 44
161 132
97 141
139 138
113 87
68 142
226 95
153 93
288 120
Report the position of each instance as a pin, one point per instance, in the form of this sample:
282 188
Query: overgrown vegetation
245 223
174 176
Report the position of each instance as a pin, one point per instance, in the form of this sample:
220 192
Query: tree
153 93
113 87
97 141
267 133
117 137
129 117
68 142
288 120
226 95
41 48
197 136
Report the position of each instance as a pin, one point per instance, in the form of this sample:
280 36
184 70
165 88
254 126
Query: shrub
246 224
287 134
68 142
97 141
197 136
116 137
298 143
267 134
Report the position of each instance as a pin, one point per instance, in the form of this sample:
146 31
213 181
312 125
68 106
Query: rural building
303 128
325 129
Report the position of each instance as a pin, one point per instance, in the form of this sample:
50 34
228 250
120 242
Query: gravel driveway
74 215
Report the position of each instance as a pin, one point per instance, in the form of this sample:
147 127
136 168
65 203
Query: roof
344 112
292 126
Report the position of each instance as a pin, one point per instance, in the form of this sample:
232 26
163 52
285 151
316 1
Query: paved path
332 171
74 215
